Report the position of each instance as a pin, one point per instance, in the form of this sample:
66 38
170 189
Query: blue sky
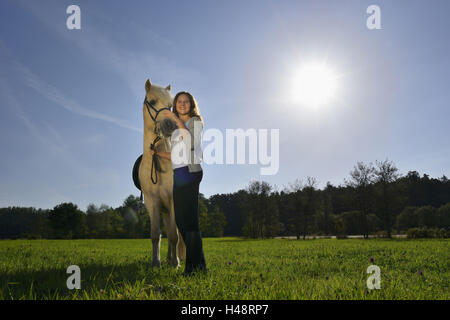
71 100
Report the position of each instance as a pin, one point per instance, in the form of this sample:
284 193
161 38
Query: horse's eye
152 102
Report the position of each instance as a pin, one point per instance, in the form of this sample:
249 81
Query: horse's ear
148 85
168 88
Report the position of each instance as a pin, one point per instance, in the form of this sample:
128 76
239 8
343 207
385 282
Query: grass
238 269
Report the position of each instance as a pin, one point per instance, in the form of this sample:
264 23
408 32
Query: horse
156 174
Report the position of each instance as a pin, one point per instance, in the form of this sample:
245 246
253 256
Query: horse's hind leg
181 247
155 232
172 237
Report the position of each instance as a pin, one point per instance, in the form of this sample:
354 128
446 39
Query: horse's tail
136 166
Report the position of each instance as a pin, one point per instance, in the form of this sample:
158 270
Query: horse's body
158 197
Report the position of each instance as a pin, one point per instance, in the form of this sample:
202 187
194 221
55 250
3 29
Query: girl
187 176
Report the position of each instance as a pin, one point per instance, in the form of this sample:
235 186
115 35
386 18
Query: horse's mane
159 89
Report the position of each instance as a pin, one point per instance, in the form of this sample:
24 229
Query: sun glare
314 84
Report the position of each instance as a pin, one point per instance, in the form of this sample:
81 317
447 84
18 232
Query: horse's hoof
175 263
156 263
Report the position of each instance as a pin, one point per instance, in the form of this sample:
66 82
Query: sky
71 122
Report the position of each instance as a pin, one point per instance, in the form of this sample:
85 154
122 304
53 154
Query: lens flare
314 84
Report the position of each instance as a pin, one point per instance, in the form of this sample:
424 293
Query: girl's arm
180 123
173 116
177 120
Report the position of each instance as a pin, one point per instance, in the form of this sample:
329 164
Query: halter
155 163
151 105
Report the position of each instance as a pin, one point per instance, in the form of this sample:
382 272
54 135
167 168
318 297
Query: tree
67 221
212 222
310 205
339 227
203 217
328 209
136 221
216 223
24 222
40 226
362 177
407 218
386 175
427 216
295 207
353 221
93 221
443 216
114 223
260 212
232 205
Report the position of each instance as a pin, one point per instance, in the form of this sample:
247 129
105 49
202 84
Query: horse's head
157 99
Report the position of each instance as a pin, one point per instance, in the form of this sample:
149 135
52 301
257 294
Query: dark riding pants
185 195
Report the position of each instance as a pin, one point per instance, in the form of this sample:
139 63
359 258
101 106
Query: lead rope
155 162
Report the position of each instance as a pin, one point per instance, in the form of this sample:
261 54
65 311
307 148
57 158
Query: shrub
415 233
29 236
339 228
381 234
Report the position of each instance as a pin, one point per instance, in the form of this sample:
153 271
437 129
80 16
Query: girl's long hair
195 111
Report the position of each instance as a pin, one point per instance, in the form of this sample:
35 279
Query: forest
373 201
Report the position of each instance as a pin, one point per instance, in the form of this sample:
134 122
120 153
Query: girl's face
183 105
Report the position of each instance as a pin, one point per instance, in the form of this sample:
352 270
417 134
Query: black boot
195 258
188 242
188 267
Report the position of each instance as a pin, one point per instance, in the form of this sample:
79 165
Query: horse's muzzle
167 127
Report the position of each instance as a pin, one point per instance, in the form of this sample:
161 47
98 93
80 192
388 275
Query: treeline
373 201
67 221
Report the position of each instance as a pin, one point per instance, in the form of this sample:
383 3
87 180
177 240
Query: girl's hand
168 114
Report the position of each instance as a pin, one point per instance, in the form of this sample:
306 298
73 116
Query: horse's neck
149 138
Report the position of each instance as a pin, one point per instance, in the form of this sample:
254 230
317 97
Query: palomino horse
156 174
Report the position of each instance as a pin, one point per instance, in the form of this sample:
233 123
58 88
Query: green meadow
238 269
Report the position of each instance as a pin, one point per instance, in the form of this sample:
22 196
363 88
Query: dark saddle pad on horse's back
136 166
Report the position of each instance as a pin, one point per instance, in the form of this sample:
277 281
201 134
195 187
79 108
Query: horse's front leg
153 210
180 247
172 237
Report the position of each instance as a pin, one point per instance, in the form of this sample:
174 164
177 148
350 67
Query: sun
314 84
